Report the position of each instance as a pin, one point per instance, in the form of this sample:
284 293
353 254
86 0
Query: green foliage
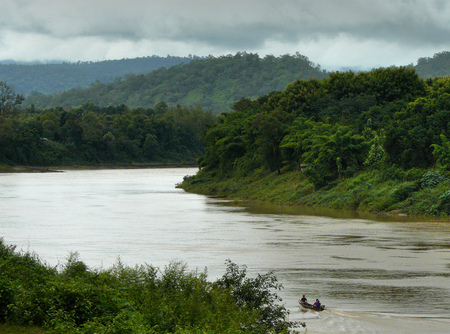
9 100
431 179
444 203
93 135
143 299
213 83
442 152
256 295
438 65
442 206
331 151
388 119
384 84
409 138
50 78
13 329
405 191
376 153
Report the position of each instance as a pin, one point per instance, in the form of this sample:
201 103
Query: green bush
142 299
443 205
431 179
405 191
6 298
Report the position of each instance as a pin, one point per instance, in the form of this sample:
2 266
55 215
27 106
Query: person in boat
317 304
304 300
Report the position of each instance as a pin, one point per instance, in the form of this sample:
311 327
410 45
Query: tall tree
9 100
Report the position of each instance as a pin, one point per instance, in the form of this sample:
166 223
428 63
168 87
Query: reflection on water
352 262
324 212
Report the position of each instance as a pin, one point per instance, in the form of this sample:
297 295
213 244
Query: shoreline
60 169
352 198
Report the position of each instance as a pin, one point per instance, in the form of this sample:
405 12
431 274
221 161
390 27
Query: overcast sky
333 33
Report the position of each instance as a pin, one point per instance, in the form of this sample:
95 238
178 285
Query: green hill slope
213 83
51 78
438 65
373 141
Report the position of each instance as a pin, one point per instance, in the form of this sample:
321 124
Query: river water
373 276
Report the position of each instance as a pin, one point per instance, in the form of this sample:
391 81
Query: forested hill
51 78
214 83
370 141
438 65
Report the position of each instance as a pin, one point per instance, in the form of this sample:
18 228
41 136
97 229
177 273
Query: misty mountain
213 83
438 65
48 78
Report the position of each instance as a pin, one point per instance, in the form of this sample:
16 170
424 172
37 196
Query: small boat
311 307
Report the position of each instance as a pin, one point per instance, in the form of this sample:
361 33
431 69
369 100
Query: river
373 276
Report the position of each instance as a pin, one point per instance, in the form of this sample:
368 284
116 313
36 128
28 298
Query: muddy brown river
374 275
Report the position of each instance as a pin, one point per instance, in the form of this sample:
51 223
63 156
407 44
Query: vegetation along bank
73 299
375 141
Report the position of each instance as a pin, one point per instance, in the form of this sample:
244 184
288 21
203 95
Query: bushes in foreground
144 299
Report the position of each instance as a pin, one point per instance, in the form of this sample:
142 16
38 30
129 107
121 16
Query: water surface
373 276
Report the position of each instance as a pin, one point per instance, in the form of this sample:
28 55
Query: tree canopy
94 135
213 83
438 65
335 126
59 77
74 299
9 99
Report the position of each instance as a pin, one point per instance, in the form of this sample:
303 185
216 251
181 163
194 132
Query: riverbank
369 191
13 329
52 169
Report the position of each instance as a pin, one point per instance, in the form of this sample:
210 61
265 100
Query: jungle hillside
214 83
375 141
61 76
243 75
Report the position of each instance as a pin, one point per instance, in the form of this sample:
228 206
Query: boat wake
340 322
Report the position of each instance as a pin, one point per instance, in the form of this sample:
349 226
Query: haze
335 34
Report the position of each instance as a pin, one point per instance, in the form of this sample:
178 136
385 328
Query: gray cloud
74 29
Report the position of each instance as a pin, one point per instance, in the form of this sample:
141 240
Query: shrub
136 300
443 205
6 298
403 192
431 179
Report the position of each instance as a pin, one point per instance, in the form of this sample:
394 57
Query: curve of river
373 276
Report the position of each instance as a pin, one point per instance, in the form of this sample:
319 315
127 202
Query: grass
368 191
12 329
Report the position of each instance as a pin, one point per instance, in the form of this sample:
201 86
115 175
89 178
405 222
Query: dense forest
438 65
59 77
386 124
93 135
213 83
49 78
71 298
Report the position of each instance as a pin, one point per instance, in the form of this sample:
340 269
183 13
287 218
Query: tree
331 151
9 100
257 294
268 130
409 138
442 152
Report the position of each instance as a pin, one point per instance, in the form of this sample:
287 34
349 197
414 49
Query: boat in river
309 306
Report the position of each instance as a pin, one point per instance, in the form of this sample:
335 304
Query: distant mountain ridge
213 83
438 65
49 78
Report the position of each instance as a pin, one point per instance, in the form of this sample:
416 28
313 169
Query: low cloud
100 29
